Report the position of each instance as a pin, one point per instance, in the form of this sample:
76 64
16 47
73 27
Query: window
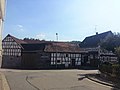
79 55
52 63
63 59
74 55
52 54
11 46
96 56
51 59
66 55
58 61
13 54
91 56
79 59
4 53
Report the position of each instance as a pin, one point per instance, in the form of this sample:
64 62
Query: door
73 63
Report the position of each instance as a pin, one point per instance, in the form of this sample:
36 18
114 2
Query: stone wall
11 62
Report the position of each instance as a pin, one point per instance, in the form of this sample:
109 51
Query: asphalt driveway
52 80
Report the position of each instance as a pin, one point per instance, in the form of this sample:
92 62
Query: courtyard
52 80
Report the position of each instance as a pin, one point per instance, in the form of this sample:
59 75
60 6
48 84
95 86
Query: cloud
40 36
19 28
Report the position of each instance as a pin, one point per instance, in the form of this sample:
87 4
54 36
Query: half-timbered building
109 57
95 54
64 55
11 51
39 54
31 53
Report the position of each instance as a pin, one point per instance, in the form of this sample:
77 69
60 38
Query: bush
112 70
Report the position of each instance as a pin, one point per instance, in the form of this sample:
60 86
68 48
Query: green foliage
111 70
117 50
76 42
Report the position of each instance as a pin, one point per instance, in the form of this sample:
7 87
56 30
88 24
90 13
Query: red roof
50 46
62 47
26 41
20 41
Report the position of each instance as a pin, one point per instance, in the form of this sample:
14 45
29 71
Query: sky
73 20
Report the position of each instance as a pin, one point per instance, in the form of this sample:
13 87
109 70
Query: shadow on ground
114 83
33 68
81 76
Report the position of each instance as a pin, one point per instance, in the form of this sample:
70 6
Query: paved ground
52 80
0 83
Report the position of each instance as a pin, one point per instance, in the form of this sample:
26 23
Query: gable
9 42
95 40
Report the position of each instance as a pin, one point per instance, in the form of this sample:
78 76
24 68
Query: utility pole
56 48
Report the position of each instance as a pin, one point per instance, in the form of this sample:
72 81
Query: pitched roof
16 39
93 41
33 41
47 46
34 47
26 41
62 47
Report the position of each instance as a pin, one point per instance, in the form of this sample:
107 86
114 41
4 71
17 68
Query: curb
102 82
5 85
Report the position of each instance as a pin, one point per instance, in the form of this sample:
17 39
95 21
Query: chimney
96 33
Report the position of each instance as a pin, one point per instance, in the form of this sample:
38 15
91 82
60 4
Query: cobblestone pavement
52 80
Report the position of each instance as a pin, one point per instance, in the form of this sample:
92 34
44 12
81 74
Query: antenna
57 36
95 28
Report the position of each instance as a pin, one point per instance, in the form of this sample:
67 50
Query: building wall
0 42
2 12
28 60
108 58
35 60
2 8
11 61
11 53
90 59
44 60
65 60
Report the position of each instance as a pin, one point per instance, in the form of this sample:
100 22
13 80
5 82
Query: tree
117 51
76 42
111 43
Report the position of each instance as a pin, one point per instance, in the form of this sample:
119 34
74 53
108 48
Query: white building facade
11 53
2 12
66 59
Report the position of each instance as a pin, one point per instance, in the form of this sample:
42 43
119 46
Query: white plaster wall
0 42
